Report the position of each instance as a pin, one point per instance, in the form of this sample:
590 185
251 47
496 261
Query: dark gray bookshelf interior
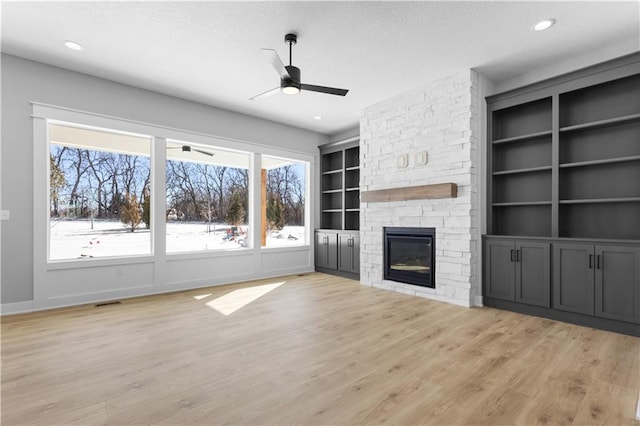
340 186
596 180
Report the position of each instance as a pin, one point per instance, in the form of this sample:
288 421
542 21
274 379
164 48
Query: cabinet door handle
598 262
511 255
590 261
517 255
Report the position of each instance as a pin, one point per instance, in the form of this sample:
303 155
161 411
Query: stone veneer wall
441 119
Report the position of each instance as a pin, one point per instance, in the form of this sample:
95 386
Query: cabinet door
618 283
533 273
573 278
499 278
327 250
349 253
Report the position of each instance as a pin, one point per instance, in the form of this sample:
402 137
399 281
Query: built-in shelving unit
563 184
337 241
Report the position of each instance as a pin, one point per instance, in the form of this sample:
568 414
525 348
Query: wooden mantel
422 192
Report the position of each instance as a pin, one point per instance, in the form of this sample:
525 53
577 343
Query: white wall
25 81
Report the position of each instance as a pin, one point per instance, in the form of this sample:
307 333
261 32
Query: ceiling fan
187 148
290 83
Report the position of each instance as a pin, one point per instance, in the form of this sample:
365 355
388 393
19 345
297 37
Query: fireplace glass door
409 256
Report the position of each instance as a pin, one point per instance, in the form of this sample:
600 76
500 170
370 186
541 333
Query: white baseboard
16 307
477 301
638 408
74 300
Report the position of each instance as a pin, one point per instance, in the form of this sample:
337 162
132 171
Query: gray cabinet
533 273
338 252
349 252
518 271
617 286
326 250
573 278
600 280
499 269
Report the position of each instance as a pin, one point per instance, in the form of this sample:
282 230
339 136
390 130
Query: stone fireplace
423 138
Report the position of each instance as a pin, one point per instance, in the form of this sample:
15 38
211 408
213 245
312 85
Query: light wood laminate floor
313 349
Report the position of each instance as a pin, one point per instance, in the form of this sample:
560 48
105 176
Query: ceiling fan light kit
290 76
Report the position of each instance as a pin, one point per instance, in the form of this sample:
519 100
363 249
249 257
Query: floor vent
115 302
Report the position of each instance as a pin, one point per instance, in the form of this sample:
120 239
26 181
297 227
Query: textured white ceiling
209 52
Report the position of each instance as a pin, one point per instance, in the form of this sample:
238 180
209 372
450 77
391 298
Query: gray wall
24 81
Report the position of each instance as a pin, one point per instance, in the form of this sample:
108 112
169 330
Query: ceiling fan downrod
291 39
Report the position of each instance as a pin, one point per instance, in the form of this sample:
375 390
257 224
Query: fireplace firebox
409 255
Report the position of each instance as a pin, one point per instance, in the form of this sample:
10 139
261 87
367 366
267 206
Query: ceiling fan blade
210 154
272 56
323 89
265 94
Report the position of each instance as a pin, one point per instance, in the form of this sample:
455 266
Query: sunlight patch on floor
231 302
202 296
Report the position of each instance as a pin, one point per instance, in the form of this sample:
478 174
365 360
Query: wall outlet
4 214
421 158
402 161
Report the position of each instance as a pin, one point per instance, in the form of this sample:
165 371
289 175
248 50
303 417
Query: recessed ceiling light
317 117
544 24
73 45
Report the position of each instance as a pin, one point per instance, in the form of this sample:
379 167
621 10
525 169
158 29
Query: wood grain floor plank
314 350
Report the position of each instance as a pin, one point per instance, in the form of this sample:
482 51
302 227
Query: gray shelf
330 172
598 162
601 123
526 170
601 200
523 203
522 138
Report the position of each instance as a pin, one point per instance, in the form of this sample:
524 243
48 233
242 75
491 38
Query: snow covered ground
72 239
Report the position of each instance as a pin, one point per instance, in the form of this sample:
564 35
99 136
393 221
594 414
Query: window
207 203
211 194
99 193
284 196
